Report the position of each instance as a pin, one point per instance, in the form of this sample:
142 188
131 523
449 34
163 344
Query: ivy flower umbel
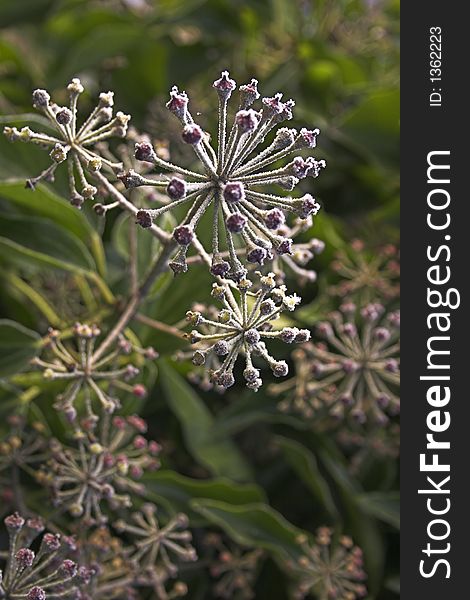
75 365
100 469
355 373
329 571
31 575
241 328
157 549
73 143
231 177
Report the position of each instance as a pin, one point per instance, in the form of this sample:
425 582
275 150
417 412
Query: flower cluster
100 469
156 549
47 573
231 177
242 328
329 571
233 567
85 376
73 143
356 373
365 276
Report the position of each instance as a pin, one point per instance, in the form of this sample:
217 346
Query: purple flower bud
359 416
302 336
382 334
220 268
192 134
317 246
50 542
383 400
178 103
284 138
325 330
221 348
307 138
183 235
349 366
137 423
346 399
41 98
273 106
36 593
234 191
224 85
35 524
279 368
284 247
247 120
349 329
288 183
236 222
267 307
257 255
299 167
372 311
274 218
249 93
306 206
392 365
250 374
77 200
224 379
68 568
14 522
85 574
252 336
288 334
144 151
24 557
63 116
143 218
176 189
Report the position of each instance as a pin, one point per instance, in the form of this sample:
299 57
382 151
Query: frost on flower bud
224 379
256 255
199 358
94 164
279 368
143 219
176 188
178 103
250 374
41 98
249 93
274 218
24 557
252 336
234 192
224 86
288 334
89 191
284 246
50 542
220 267
303 335
144 151
75 86
183 235
59 153
236 222
192 134
285 137
273 106
221 348
36 593
307 138
106 100
68 568
267 307
14 522
299 167
307 205
63 116
247 120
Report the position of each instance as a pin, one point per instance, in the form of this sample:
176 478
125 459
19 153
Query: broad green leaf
42 202
18 345
305 465
256 525
178 491
382 505
217 453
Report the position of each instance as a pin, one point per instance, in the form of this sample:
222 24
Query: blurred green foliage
233 462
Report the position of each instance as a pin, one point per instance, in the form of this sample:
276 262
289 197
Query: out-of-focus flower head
232 177
243 326
355 372
72 143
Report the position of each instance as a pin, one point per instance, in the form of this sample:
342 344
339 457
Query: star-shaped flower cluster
71 142
242 327
231 178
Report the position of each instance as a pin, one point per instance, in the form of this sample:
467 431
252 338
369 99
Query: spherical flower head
176 189
247 120
236 222
192 134
234 192
183 235
224 86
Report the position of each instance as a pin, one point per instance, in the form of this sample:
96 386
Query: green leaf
256 525
382 505
18 345
178 491
217 453
46 204
305 465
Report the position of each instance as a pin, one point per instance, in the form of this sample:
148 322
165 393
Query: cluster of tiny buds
242 327
72 143
46 573
230 178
